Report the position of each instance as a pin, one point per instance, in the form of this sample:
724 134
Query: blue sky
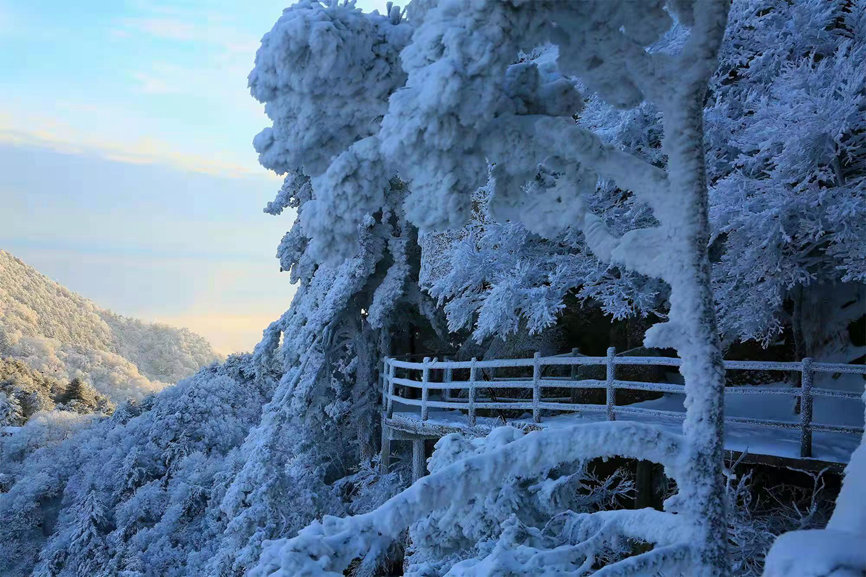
126 166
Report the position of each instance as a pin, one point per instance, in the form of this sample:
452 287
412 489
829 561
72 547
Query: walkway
764 422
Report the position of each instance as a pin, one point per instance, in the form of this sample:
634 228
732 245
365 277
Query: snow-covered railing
431 384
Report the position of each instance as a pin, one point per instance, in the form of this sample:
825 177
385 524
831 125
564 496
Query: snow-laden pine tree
471 104
786 126
153 472
495 279
325 73
784 118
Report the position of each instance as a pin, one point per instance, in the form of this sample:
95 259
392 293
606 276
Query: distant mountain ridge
64 336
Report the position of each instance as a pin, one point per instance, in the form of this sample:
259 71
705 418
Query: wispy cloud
169 28
194 27
139 81
156 83
67 140
227 333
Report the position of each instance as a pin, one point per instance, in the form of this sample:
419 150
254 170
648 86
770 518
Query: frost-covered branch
668 560
594 531
327 548
577 144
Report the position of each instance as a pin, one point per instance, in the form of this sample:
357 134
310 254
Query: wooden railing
411 384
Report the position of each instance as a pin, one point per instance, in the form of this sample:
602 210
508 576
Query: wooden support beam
536 387
806 408
385 455
419 460
646 485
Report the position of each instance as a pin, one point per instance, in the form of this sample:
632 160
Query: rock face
64 336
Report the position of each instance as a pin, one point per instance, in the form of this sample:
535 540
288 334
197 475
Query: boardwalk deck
764 423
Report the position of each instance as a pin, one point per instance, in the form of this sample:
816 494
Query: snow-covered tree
786 122
11 412
141 488
497 278
470 104
352 253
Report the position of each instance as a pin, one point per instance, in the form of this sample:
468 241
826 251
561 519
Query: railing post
473 373
391 373
448 377
384 378
806 408
572 375
536 387
611 376
425 391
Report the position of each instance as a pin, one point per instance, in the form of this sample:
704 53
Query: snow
741 437
817 553
837 550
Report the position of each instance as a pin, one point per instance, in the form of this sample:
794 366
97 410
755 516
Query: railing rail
438 377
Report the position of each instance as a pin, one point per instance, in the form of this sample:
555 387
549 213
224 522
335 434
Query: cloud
67 140
227 333
168 28
152 84
195 27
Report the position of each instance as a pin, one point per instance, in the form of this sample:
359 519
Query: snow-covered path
430 399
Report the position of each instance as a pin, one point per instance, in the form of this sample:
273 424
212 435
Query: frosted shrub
535 508
759 514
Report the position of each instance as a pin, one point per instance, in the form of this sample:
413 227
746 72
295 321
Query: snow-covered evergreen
785 124
470 103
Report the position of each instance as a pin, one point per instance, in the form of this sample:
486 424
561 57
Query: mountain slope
65 336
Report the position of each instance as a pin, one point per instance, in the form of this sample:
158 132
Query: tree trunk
365 390
820 319
696 334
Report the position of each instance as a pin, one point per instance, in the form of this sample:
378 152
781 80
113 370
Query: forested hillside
64 336
25 392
